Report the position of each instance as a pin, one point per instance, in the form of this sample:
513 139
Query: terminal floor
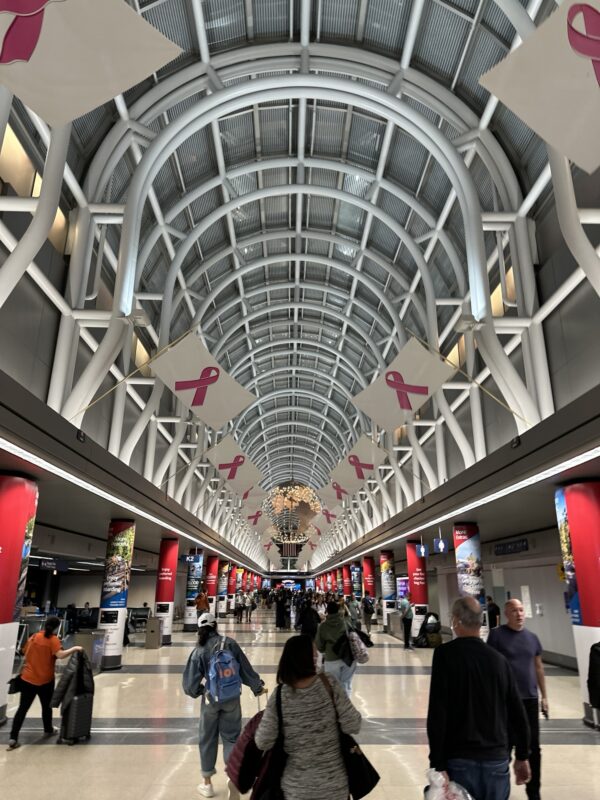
144 734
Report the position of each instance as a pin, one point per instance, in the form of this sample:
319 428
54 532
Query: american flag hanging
289 550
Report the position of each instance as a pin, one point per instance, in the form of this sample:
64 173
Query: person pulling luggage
216 670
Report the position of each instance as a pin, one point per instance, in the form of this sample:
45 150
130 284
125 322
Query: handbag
15 685
362 775
268 783
343 650
359 651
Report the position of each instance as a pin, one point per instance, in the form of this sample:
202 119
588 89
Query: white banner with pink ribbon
202 385
407 384
233 465
63 58
257 520
552 82
360 464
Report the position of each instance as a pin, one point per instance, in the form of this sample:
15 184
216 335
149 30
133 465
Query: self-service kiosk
388 607
222 605
419 614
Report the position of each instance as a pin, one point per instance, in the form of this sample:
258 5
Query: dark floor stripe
268 669
375 731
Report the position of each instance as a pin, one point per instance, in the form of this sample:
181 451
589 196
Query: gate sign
552 82
202 385
407 383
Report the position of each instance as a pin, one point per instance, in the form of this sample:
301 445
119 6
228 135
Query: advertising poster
369 575
469 569
239 579
402 586
339 580
310 584
192 587
212 573
223 578
572 592
117 570
356 578
388 575
417 575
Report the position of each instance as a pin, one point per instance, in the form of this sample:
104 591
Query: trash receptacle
154 628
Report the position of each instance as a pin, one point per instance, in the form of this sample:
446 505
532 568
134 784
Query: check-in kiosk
419 614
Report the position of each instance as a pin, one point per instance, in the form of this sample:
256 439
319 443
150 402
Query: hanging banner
239 579
407 384
402 586
417 574
361 463
223 578
369 575
233 465
388 575
192 587
356 578
469 568
552 82
64 58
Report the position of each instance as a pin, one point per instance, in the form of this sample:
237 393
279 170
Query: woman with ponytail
37 677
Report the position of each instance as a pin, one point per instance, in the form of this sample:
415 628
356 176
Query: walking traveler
473 703
309 620
314 766
222 665
493 612
202 603
368 609
239 606
354 611
329 633
407 614
523 651
37 677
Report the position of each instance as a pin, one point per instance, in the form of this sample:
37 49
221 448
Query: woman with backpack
222 665
329 635
314 766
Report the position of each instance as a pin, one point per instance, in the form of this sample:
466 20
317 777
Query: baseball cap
206 619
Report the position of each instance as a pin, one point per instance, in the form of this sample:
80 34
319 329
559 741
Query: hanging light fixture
291 507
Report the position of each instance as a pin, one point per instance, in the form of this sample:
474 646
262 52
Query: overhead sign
407 383
202 385
440 545
234 465
63 58
552 82
510 548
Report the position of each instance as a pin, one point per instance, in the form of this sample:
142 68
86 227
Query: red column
578 513
259 582
369 576
339 580
18 505
222 585
347 580
333 580
417 575
212 573
241 578
231 587
164 598
248 585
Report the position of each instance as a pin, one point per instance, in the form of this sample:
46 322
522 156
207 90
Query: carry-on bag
77 719
243 764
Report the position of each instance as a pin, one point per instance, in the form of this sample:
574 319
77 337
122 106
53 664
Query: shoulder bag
268 783
362 775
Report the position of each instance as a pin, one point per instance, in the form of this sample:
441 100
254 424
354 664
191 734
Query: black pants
535 757
407 625
29 692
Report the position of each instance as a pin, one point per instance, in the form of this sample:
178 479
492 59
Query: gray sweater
314 768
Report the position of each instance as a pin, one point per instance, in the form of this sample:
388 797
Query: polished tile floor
145 729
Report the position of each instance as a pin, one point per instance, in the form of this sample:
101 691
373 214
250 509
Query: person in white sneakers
216 670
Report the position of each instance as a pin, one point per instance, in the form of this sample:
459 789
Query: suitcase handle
266 695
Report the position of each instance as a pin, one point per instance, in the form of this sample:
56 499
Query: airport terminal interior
298 303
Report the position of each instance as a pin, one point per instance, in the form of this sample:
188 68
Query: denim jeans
340 670
224 719
485 780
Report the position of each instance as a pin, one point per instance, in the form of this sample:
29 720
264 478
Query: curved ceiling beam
292 451
298 258
323 310
311 395
313 429
311 412
292 369
282 464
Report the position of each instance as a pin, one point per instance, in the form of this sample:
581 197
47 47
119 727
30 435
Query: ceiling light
59 472
78 569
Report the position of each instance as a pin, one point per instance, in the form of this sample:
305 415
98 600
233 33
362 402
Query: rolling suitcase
77 722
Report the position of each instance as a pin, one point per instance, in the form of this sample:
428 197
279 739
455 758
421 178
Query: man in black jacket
473 702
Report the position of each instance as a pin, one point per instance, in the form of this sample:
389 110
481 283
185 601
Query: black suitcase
77 722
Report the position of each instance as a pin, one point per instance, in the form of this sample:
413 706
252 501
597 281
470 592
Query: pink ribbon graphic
328 516
24 32
268 546
318 530
246 494
585 44
340 492
355 462
208 376
396 382
255 517
233 466
311 545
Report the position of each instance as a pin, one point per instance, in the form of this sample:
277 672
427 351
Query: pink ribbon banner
585 44
359 466
396 382
23 34
233 466
208 376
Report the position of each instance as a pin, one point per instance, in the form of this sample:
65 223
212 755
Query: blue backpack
224 682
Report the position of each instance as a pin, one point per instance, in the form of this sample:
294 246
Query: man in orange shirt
202 603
